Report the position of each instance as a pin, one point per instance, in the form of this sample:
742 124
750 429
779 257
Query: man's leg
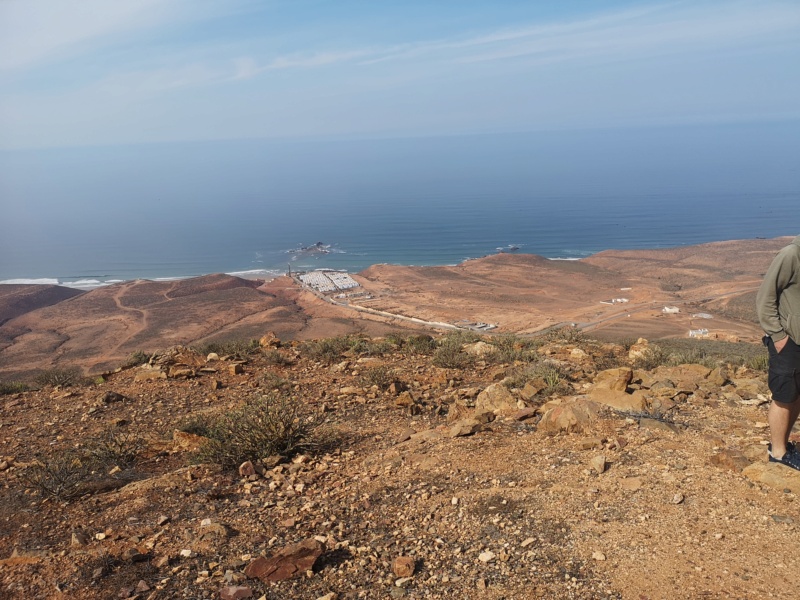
781 417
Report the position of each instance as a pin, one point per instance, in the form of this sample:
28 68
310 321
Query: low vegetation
263 426
60 475
137 358
231 348
114 448
380 376
330 350
450 353
12 387
61 376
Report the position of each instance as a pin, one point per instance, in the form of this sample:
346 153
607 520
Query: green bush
263 426
420 344
198 424
551 376
651 357
450 354
276 358
568 334
12 387
274 382
513 348
759 362
328 349
233 348
381 376
332 349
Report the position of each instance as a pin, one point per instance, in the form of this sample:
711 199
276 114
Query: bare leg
781 417
794 412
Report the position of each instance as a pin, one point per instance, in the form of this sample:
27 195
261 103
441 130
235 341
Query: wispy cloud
32 32
634 34
268 69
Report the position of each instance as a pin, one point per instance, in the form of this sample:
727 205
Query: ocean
86 217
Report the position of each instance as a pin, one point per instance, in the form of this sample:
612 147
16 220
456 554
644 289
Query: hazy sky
126 71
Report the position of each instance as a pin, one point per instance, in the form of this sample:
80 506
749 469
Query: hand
780 345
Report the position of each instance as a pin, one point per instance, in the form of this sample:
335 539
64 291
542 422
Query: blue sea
90 216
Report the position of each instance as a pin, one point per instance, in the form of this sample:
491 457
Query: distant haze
164 138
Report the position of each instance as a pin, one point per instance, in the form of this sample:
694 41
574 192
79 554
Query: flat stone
732 460
235 592
149 374
288 562
464 427
630 483
656 425
774 475
524 414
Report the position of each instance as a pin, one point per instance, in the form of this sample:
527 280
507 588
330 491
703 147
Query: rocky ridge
568 474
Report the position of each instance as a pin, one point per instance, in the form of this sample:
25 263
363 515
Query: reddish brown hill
16 300
98 330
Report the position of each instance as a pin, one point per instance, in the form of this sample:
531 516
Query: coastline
90 282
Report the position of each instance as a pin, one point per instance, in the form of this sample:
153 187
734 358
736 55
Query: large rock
577 415
614 379
639 350
289 561
464 427
480 349
610 387
497 399
774 475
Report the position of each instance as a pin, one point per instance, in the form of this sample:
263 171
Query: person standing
778 307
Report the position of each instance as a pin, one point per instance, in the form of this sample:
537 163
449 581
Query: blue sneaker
791 459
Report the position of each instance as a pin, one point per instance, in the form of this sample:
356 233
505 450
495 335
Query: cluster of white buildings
328 281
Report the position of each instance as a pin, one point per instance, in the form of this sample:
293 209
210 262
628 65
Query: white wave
564 258
256 274
43 281
85 284
176 278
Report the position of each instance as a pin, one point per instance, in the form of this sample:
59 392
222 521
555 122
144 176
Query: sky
100 72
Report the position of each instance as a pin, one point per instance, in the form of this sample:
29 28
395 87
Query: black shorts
784 371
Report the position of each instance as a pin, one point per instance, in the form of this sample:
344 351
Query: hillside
97 330
18 299
554 468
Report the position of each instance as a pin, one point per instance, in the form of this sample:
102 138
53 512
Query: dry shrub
114 448
234 348
381 376
276 358
420 344
60 475
60 376
262 426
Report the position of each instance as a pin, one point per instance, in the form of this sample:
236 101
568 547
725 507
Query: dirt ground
512 511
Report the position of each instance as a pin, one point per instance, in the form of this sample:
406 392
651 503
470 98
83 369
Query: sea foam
42 281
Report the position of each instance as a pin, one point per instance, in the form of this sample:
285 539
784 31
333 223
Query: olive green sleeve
777 278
